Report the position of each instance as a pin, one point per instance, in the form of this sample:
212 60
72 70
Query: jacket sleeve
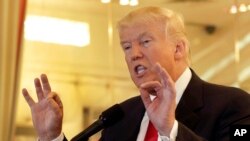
65 139
221 134
185 134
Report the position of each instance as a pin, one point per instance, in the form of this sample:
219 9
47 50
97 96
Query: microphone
108 118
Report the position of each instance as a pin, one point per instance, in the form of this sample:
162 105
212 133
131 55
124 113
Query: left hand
47 113
161 110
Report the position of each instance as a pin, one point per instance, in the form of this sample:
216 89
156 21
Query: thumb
145 97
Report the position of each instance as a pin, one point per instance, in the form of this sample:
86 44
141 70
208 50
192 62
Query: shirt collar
181 83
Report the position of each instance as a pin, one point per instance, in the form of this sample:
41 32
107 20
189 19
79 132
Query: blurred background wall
76 44
11 22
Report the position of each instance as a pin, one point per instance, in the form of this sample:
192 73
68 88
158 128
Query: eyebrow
123 42
143 34
139 37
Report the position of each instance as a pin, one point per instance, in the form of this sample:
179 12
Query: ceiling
214 54
197 12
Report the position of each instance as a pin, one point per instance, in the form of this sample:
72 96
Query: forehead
139 29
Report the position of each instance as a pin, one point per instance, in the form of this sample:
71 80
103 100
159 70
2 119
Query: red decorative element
152 134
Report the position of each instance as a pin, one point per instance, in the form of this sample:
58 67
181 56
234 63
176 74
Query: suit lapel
136 120
190 103
131 123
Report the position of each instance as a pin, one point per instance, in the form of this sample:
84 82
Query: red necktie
152 134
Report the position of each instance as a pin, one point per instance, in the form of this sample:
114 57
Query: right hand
161 110
47 113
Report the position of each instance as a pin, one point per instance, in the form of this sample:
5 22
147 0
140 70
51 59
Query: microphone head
112 115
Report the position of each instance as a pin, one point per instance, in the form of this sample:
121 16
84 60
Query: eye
126 46
145 43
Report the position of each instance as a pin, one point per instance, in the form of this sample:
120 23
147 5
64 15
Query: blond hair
172 23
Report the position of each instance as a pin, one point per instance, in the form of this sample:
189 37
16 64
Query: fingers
39 89
162 74
55 101
145 97
151 87
148 88
45 84
165 78
43 89
27 97
166 82
58 101
43 92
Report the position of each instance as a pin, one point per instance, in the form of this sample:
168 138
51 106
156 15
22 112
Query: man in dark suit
174 103
205 112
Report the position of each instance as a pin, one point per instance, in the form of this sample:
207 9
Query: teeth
140 69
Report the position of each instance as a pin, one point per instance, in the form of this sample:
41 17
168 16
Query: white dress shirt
180 86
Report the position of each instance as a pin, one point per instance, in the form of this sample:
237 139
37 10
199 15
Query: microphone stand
92 129
108 118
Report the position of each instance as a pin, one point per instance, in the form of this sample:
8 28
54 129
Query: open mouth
140 70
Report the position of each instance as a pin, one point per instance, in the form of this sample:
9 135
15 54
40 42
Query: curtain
11 24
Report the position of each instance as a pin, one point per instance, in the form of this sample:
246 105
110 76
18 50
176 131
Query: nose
136 53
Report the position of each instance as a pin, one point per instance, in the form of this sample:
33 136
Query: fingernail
142 85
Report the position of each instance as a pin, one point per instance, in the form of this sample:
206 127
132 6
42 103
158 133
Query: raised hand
47 113
161 110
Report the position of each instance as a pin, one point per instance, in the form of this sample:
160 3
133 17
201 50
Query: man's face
144 45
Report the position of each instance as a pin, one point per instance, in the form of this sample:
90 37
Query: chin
140 81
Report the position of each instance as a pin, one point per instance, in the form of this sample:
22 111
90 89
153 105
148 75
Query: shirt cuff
59 138
173 133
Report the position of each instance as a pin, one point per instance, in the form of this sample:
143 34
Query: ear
180 50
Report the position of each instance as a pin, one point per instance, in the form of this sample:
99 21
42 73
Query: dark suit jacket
205 112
